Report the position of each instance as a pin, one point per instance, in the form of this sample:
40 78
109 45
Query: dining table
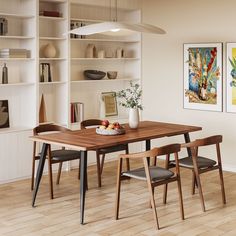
87 139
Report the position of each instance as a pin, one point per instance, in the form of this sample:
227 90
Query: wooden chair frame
100 154
43 129
196 171
165 150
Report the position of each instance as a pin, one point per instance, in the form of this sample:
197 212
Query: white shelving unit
27 29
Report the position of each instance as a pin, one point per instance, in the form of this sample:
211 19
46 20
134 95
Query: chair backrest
164 150
212 140
49 128
91 122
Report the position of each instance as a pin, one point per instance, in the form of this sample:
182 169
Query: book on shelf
14 53
45 74
74 25
50 13
77 112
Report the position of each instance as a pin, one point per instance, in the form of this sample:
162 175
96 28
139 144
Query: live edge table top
88 139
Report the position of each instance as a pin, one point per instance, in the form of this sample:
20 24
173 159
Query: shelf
104 80
52 59
52 38
16 59
105 59
51 83
86 20
2 14
52 18
54 1
16 37
15 84
14 129
105 40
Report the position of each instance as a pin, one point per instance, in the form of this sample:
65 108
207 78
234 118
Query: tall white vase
133 118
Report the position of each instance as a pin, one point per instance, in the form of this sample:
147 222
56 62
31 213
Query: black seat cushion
157 173
65 155
202 162
117 148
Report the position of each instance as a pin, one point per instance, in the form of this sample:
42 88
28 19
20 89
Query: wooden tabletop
87 139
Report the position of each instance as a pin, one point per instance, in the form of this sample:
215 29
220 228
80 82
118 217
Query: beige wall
186 21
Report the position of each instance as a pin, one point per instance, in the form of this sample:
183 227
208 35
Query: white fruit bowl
110 131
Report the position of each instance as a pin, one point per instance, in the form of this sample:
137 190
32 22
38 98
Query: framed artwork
4 114
110 103
231 77
203 76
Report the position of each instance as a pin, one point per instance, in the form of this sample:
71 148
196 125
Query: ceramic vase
49 51
133 118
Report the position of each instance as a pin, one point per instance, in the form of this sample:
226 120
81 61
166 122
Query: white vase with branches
131 98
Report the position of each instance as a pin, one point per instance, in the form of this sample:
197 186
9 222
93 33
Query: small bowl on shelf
112 74
94 74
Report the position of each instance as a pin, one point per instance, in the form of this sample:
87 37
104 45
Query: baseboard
229 168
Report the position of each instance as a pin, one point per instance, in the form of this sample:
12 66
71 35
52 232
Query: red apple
117 125
105 122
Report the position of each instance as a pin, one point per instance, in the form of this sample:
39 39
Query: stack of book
77 112
50 13
45 72
13 53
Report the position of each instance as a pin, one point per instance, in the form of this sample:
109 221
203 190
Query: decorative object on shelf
119 53
109 54
101 54
112 74
90 51
3 26
49 51
42 111
77 112
108 128
109 103
131 98
203 76
231 77
115 28
5 74
94 74
45 72
4 114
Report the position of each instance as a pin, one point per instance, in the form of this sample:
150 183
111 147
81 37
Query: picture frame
203 76
4 114
110 103
231 77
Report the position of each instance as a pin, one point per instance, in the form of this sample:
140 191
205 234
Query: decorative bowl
94 74
110 131
111 74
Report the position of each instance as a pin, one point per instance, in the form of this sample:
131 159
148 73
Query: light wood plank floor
61 216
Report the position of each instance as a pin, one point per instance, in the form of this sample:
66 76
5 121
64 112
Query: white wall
186 21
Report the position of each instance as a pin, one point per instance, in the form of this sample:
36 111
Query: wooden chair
200 165
154 175
103 151
54 156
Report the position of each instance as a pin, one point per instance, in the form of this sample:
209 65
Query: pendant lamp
116 28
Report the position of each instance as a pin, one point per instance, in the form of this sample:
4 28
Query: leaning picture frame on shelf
4 114
110 103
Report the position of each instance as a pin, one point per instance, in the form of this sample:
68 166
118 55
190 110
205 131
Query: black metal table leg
39 171
83 183
148 147
187 140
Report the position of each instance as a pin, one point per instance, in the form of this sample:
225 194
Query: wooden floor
61 215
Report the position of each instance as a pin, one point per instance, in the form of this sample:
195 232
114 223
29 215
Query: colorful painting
231 77
203 76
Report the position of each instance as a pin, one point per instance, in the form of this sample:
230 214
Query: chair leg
98 170
180 197
50 177
222 185
59 172
33 171
154 210
165 193
193 182
118 189
197 176
79 170
167 164
127 159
